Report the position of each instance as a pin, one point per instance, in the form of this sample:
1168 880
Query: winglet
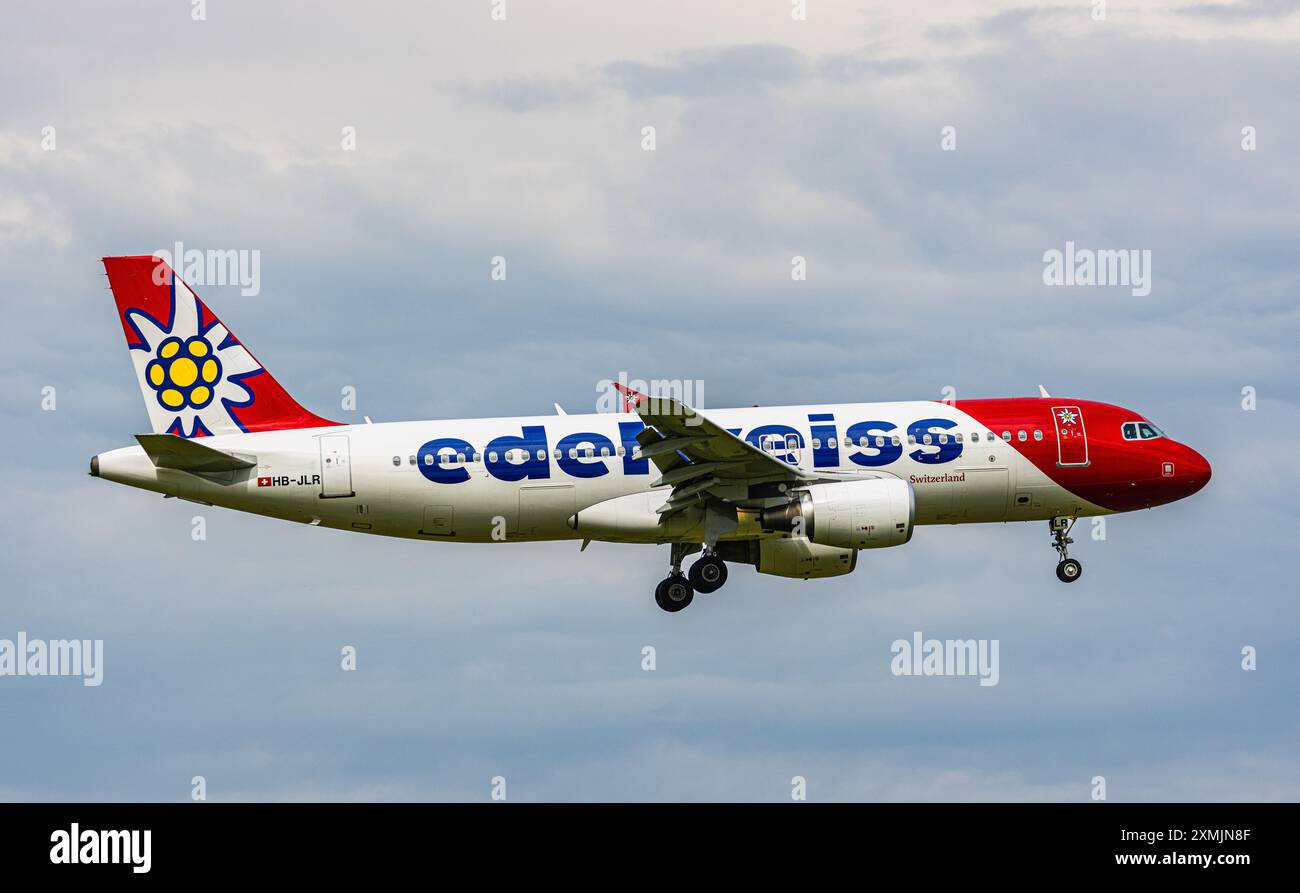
1042 391
631 398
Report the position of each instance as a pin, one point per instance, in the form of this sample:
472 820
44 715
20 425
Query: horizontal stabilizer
170 451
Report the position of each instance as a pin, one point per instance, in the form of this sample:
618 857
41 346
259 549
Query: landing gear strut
1068 570
675 592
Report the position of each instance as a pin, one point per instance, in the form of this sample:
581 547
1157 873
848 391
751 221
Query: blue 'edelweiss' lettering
527 456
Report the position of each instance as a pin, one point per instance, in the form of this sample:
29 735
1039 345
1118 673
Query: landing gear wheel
673 593
708 574
1069 570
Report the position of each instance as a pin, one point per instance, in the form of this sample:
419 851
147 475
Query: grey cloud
726 71
1244 10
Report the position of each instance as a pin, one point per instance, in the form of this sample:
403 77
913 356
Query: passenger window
397 460
590 452
1038 435
974 437
558 454
573 452
880 441
1021 435
604 452
926 439
864 441
911 439
943 438
1006 435
832 443
492 455
412 459
478 457
895 440
428 458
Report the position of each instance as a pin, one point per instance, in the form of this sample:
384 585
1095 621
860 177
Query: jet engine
866 514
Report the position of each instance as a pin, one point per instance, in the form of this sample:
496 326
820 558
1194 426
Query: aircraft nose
1195 470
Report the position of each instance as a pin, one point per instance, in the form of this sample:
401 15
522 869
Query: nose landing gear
1068 570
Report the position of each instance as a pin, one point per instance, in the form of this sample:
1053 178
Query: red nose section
1194 472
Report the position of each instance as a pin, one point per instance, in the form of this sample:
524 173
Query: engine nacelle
868 514
800 558
792 557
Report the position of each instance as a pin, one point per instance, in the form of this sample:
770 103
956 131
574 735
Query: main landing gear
677 590
709 573
1068 570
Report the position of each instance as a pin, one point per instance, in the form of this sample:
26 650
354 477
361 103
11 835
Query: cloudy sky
774 138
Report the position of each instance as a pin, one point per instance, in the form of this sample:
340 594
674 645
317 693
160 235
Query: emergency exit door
335 467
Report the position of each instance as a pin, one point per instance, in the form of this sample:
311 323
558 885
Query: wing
700 460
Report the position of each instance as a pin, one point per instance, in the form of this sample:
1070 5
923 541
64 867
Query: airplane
794 491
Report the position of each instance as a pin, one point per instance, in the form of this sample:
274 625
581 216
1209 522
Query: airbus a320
795 491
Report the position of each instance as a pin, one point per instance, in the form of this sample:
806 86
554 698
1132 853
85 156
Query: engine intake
869 514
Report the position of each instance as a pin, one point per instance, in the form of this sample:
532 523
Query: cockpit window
1141 431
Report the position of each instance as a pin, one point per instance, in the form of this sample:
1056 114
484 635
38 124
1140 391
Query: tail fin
197 378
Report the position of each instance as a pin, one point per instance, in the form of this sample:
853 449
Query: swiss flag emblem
264 482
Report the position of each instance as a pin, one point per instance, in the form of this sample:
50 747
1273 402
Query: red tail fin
197 378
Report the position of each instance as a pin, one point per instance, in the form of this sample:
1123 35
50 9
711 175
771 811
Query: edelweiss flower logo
184 372
193 374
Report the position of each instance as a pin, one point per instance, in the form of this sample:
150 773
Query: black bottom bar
335 841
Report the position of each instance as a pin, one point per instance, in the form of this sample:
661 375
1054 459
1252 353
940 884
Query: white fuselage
524 478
